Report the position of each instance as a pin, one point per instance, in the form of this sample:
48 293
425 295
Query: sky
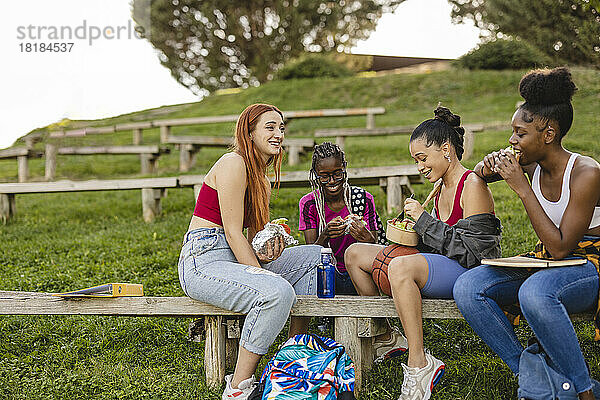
102 77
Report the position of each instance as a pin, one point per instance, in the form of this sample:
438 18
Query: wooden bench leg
164 133
151 206
7 207
360 349
340 141
294 155
469 142
50 155
137 136
23 166
370 121
214 350
148 163
187 156
397 188
233 341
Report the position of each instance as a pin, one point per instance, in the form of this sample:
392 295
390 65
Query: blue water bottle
326 274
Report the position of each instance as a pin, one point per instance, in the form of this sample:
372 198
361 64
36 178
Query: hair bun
547 86
444 114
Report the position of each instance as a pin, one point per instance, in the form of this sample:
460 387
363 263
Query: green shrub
312 66
504 54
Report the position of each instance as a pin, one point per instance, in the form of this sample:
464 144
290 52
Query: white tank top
555 210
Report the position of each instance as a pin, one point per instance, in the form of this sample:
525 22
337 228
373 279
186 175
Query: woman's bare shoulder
586 168
475 183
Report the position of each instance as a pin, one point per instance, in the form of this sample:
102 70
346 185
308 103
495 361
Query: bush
504 54
312 66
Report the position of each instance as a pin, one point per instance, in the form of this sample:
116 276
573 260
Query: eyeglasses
337 176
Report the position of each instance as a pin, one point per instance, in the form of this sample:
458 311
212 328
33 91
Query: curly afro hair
547 94
547 86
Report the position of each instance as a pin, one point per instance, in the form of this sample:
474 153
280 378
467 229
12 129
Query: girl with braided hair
565 225
335 214
456 236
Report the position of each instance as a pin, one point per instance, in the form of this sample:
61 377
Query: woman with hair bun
461 231
566 225
218 265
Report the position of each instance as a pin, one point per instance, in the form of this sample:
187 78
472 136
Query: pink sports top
457 211
207 206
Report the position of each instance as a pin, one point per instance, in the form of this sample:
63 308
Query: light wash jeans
546 298
209 272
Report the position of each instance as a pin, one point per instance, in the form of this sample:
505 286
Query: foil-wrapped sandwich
270 231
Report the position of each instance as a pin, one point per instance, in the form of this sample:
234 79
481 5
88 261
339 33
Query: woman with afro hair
562 200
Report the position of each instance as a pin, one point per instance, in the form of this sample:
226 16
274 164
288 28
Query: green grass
60 242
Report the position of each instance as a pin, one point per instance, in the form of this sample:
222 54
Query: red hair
257 192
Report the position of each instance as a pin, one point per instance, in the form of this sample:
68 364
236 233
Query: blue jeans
209 272
546 298
344 285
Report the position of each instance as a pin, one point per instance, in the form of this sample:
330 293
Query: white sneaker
395 346
243 390
419 382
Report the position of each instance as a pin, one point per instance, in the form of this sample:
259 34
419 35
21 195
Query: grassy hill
61 242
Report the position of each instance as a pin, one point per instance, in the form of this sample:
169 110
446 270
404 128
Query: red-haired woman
218 264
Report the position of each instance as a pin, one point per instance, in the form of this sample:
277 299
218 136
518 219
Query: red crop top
207 206
457 211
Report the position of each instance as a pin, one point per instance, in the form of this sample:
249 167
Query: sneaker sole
437 377
390 354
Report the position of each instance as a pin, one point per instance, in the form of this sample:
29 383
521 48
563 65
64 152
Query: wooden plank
195 120
151 207
333 112
214 350
7 207
390 130
50 164
14 152
190 180
84 186
133 125
382 131
34 303
99 130
359 349
74 133
217 141
91 150
23 168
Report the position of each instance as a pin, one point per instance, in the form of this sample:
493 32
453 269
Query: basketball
380 265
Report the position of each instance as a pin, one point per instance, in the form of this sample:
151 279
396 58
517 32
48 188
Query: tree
212 44
566 30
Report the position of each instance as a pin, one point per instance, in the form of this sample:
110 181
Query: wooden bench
394 180
166 124
355 322
149 155
189 146
341 134
153 189
22 154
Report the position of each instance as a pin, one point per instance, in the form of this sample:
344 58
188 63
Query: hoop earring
447 157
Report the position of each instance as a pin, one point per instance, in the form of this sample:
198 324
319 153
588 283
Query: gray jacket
469 241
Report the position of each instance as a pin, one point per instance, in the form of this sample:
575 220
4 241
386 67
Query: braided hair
444 127
321 152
